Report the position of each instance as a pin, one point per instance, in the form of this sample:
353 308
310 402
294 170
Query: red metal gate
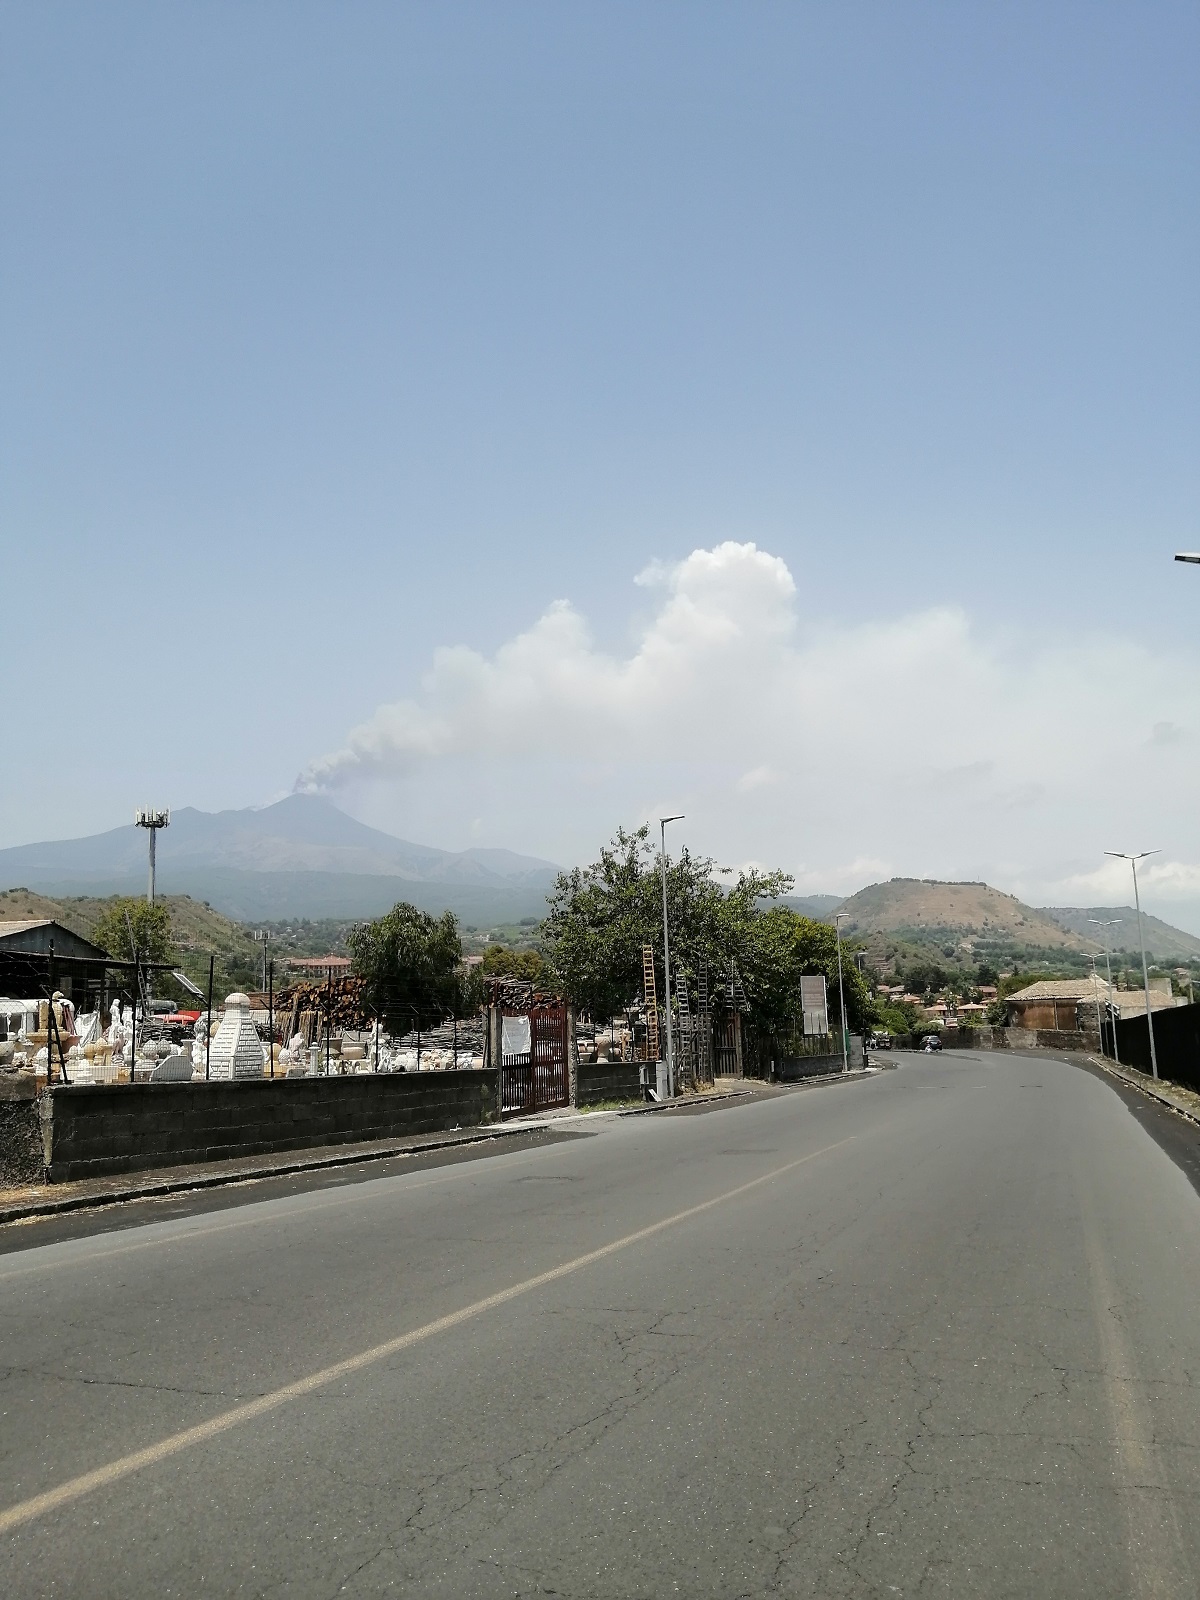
539 1078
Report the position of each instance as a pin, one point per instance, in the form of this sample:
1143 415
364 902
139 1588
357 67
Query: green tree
411 967
1020 980
500 961
601 916
130 929
925 977
783 948
899 1017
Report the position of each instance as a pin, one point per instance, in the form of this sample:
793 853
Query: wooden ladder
651 1002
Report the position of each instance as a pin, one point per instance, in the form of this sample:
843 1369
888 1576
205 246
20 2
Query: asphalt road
932 1333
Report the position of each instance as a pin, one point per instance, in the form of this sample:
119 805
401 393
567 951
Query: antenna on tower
152 821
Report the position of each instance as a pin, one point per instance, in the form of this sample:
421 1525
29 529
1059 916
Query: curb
1144 1088
682 1102
772 1088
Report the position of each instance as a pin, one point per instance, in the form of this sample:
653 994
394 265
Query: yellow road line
39 1505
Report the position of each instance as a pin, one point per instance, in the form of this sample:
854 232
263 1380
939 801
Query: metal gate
727 1055
538 1078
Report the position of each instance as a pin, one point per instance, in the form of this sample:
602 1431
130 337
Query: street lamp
662 824
837 923
1133 861
1113 922
1185 556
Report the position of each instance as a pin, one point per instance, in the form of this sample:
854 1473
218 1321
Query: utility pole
263 936
837 923
1096 996
152 821
1133 861
1113 922
662 824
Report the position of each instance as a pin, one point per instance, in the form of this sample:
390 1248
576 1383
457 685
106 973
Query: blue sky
335 336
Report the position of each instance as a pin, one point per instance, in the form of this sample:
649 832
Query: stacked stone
236 1051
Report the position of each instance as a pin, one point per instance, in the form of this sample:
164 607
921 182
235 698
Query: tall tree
601 916
786 947
411 966
130 929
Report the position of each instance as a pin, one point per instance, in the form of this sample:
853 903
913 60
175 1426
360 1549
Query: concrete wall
90 1130
791 1068
20 1132
1032 1039
607 1080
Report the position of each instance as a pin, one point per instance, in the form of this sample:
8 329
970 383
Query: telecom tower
152 821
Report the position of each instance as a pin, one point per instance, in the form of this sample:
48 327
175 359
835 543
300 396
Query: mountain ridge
300 856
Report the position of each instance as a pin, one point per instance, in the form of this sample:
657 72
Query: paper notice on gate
515 1038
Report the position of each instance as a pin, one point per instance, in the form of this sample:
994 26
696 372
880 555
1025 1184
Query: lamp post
1113 922
1186 556
1133 861
837 924
662 825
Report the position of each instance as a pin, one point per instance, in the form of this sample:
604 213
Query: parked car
880 1041
930 1043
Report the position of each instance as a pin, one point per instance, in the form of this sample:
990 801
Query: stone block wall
597 1081
792 1068
20 1132
1031 1039
92 1130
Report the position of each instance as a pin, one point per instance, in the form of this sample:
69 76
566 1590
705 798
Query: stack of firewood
340 1003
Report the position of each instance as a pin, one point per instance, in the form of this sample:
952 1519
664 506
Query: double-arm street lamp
1112 922
1133 861
662 824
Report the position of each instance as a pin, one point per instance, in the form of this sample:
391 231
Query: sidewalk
1173 1095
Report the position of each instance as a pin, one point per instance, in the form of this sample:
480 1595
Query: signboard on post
815 1005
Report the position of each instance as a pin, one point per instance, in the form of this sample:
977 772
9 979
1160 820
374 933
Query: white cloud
756 778
920 744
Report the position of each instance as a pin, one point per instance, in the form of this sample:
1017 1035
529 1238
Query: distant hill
197 928
1163 942
301 857
920 906
817 906
973 921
